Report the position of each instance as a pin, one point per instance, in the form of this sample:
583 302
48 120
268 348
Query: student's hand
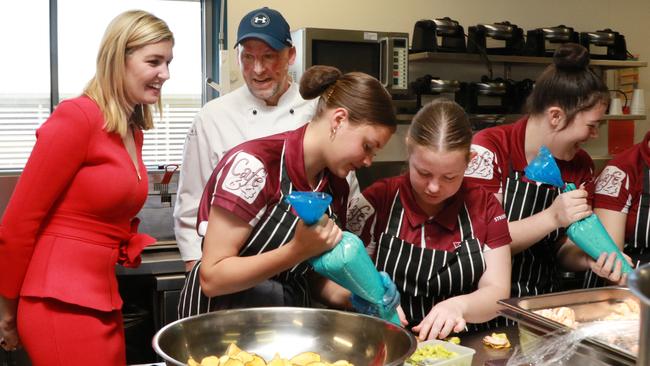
390 301
570 207
318 238
443 318
610 268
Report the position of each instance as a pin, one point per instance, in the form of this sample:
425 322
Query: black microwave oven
383 55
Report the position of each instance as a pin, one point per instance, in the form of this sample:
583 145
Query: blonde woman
70 218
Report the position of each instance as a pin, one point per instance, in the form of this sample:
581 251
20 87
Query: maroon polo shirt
246 180
368 216
620 185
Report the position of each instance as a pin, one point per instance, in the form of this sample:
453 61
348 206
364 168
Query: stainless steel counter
498 357
486 354
156 260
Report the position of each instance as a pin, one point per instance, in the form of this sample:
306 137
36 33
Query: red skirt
56 333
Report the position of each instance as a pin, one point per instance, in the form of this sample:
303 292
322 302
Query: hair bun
317 79
571 56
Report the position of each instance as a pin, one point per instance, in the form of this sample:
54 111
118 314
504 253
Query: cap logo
260 20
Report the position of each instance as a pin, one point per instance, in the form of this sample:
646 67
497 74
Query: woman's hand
570 207
610 268
9 339
443 318
318 238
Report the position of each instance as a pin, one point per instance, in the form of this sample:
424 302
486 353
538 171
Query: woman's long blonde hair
126 33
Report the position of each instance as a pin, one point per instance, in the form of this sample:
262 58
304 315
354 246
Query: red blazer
69 219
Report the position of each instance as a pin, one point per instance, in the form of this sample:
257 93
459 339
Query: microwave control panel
400 63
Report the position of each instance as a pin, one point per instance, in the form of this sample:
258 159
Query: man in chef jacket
268 103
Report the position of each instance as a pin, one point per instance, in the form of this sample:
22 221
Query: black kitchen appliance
613 41
380 54
429 85
540 41
489 96
512 35
426 33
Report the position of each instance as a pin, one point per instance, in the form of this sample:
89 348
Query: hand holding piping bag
587 233
348 263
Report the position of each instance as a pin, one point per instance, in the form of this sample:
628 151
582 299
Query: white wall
629 17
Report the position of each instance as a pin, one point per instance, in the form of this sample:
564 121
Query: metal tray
588 304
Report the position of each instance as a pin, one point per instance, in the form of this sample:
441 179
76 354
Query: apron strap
465 224
641 235
396 215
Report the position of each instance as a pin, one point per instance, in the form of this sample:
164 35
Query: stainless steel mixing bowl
335 335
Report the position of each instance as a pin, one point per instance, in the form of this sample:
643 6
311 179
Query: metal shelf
471 57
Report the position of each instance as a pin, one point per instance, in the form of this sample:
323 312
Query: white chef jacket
220 125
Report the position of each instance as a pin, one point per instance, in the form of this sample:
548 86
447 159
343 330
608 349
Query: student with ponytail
255 249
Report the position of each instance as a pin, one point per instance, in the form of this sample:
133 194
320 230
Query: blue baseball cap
267 25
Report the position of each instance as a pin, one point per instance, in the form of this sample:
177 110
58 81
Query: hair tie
330 92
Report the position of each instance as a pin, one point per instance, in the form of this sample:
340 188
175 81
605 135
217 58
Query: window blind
19 119
21 116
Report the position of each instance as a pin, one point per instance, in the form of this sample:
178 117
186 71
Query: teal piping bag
589 233
348 263
592 237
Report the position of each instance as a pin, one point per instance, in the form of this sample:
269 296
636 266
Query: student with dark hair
255 248
564 111
444 244
622 203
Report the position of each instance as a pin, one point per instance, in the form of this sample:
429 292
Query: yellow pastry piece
243 356
342 363
454 340
233 362
497 340
232 350
305 358
210 361
256 361
234 356
276 361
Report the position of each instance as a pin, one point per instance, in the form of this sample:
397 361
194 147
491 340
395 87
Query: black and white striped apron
424 276
534 270
638 247
288 288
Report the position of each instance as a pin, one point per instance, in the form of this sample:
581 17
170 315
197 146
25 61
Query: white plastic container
463 358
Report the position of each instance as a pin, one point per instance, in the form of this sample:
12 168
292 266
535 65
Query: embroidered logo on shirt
482 165
359 210
610 181
500 217
246 177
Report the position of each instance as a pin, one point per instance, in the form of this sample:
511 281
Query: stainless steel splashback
156 218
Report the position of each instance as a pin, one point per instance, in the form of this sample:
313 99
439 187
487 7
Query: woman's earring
333 133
